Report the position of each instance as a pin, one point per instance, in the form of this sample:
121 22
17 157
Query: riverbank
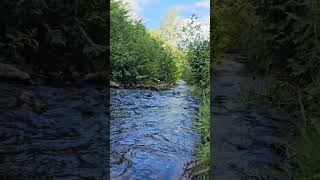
154 87
28 76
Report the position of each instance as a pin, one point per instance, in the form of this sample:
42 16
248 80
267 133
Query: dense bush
197 73
54 36
281 39
232 25
198 57
139 55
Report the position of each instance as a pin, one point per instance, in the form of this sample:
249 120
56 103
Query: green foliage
54 36
201 169
281 39
232 26
204 119
139 55
290 42
198 57
197 73
199 60
304 149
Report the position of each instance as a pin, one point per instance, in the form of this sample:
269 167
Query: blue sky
153 11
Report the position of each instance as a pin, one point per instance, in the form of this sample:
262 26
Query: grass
303 148
202 166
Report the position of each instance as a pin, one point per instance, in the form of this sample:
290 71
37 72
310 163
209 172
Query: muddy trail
151 133
53 133
248 139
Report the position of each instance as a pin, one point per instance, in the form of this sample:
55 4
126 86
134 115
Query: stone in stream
140 86
151 87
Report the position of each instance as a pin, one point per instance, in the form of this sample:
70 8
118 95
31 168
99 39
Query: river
53 132
61 132
151 133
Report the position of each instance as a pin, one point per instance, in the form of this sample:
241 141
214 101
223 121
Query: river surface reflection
151 133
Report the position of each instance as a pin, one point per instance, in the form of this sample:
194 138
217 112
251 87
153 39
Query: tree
170 26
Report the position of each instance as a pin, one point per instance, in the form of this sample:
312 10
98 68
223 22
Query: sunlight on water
151 135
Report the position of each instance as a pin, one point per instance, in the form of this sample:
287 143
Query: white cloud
195 7
205 25
135 7
184 8
201 9
203 4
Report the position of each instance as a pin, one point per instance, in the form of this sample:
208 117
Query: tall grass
304 149
198 75
202 167
303 108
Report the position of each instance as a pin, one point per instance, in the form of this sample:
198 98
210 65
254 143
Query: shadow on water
151 135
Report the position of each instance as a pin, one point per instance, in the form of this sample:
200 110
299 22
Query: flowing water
53 132
60 132
151 133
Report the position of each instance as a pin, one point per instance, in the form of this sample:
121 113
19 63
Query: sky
153 11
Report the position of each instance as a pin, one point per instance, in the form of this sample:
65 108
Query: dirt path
248 140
